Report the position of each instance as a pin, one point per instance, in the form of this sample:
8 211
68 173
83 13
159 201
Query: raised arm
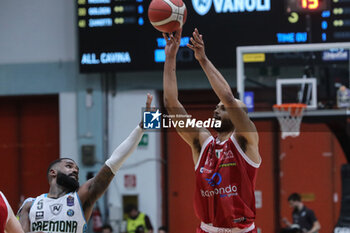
94 188
193 137
235 108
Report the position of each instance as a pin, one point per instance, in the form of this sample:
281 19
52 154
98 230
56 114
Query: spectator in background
343 97
106 229
137 220
163 229
303 217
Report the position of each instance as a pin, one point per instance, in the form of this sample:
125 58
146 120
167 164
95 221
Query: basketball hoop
289 117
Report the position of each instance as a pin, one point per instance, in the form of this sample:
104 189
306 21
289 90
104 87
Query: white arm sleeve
124 150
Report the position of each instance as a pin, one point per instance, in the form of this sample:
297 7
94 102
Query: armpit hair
242 141
197 144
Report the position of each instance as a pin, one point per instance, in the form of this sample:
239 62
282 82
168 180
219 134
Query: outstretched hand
149 102
172 42
197 45
148 107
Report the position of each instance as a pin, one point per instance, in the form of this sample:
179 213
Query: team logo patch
56 209
40 204
218 153
39 215
70 201
70 212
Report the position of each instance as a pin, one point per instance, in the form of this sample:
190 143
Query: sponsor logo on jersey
214 180
39 215
70 200
55 226
228 165
205 170
56 209
70 212
227 155
40 204
228 191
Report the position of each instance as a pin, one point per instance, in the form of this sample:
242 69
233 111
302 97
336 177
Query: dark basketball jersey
4 212
225 183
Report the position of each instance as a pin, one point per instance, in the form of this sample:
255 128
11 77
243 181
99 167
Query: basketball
167 15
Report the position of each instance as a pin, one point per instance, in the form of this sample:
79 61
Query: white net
289 117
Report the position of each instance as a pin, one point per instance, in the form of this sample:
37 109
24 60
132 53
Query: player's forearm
100 183
170 82
24 221
220 86
124 150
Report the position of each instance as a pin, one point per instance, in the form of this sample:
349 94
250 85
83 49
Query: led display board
115 35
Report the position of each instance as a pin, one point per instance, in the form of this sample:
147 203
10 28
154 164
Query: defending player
8 221
67 207
225 166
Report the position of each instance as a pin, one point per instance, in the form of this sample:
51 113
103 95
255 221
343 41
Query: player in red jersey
225 166
8 221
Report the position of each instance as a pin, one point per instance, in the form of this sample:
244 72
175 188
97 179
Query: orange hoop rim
289 105
294 109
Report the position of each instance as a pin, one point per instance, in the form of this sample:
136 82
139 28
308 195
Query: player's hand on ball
197 45
172 42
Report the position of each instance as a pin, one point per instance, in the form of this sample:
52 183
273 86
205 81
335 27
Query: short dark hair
107 226
294 197
53 163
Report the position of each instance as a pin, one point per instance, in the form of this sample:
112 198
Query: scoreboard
116 35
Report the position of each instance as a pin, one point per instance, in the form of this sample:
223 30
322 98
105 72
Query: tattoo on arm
99 185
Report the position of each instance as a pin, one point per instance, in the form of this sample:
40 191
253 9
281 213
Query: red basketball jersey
225 183
3 212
